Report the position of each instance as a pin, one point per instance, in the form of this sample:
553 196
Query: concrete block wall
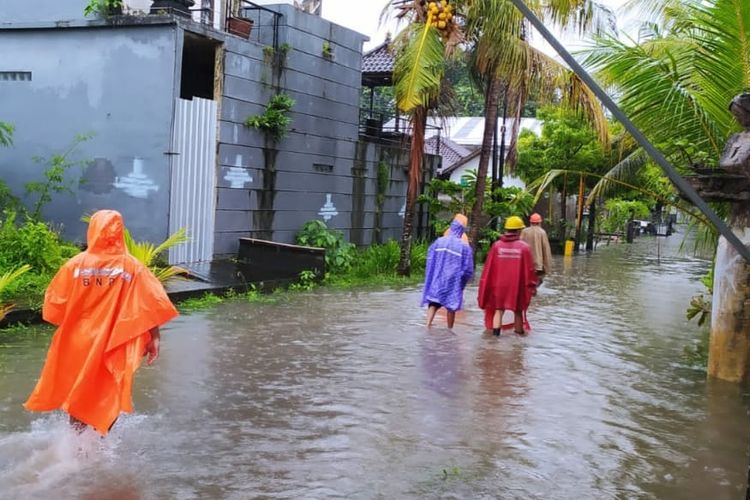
314 163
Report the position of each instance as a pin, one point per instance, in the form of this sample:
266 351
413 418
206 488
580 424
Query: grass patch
376 266
206 301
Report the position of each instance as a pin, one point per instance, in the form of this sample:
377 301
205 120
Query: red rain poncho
508 278
104 302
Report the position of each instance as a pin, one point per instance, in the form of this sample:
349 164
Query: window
15 76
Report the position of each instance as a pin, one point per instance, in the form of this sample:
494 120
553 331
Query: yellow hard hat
514 222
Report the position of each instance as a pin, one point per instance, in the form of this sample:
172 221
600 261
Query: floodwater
334 394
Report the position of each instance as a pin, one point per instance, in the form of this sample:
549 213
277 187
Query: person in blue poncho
450 266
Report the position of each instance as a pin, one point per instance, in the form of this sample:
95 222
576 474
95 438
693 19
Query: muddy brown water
344 394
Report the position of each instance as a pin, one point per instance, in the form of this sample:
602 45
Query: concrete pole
729 346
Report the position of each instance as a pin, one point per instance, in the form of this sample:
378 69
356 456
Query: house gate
193 185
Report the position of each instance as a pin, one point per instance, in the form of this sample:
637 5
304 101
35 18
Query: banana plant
5 280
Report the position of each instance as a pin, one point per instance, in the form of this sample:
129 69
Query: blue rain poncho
450 265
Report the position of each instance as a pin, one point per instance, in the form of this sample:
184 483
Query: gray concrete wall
23 11
316 159
117 83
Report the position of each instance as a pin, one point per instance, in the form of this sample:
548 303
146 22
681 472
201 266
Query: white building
461 140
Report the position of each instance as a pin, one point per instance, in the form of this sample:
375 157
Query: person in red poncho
508 279
108 308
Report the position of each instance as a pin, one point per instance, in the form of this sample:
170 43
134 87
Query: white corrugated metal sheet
193 193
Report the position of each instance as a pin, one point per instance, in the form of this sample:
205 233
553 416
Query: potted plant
240 26
180 7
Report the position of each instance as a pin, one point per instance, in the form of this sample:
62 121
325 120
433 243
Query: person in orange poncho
108 308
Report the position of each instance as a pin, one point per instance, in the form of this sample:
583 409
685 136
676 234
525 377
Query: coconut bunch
438 14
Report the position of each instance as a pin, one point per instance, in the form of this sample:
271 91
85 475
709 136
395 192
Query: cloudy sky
364 16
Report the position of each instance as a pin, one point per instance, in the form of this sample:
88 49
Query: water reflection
346 394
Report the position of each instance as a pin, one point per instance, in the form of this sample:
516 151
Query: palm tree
508 63
422 48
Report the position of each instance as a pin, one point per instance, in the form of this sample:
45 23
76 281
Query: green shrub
618 212
28 290
32 243
339 253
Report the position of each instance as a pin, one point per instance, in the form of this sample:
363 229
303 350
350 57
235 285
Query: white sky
364 16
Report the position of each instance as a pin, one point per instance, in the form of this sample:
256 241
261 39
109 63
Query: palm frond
656 90
147 253
10 276
549 79
580 15
5 280
165 273
419 67
624 169
177 238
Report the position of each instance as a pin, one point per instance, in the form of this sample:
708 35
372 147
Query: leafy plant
274 121
619 212
339 253
6 279
327 50
54 175
148 253
306 282
699 307
271 55
102 7
33 243
6 134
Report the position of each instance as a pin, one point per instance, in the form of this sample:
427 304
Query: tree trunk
419 122
490 124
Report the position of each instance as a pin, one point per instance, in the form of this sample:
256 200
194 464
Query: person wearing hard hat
450 266
508 279
537 239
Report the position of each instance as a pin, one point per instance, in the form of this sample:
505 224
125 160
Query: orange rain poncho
104 302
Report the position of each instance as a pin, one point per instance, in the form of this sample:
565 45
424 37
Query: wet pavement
340 394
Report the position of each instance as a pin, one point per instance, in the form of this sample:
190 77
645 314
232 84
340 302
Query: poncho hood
106 234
